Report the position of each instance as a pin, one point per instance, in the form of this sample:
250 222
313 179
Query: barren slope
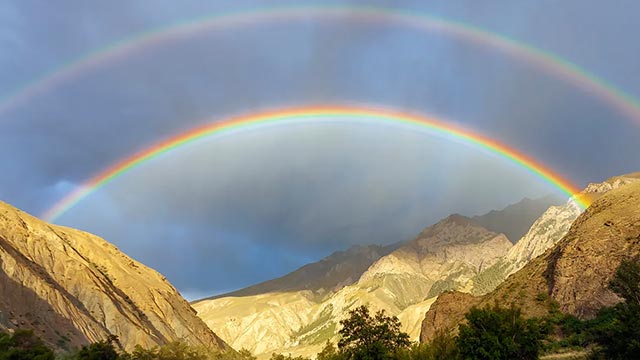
72 287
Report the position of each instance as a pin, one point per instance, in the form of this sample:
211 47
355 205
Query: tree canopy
371 337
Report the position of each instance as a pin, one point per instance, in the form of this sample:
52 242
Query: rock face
573 273
404 283
72 288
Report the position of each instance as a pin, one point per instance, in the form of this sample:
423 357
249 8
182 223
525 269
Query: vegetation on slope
489 333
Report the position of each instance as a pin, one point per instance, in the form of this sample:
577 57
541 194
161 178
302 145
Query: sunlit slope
574 272
72 287
330 274
552 226
447 255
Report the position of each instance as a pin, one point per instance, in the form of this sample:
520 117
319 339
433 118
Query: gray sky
232 211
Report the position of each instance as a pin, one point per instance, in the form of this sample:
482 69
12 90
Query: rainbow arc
550 63
314 114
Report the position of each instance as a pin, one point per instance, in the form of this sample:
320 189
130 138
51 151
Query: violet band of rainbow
289 116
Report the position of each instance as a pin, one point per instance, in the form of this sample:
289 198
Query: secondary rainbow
313 114
552 64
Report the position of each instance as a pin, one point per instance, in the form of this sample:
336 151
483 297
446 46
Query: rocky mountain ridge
328 275
546 231
573 273
515 220
73 288
404 283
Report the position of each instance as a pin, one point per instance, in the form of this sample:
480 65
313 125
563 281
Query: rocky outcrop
441 316
72 288
573 273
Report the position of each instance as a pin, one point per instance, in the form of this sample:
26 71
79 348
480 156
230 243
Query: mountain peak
458 220
515 220
454 229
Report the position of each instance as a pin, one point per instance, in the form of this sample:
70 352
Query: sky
237 209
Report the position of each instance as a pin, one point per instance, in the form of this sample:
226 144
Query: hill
73 288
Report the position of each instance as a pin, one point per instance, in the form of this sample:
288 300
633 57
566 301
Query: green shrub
500 333
23 345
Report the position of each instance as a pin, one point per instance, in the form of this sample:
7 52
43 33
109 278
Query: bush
329 352
275 356
23 345
443 346
626 281
102 350
617 329
500 333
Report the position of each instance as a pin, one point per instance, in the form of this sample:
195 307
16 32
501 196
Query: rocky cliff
72 288
574 272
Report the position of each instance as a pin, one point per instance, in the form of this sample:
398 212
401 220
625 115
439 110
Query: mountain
573 273
515 220
404 282
73 288
546 231
330 274
444 256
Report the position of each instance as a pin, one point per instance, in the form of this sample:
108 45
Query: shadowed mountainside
515 220
330 274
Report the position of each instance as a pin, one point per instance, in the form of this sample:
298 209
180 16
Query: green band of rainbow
546 61
310 114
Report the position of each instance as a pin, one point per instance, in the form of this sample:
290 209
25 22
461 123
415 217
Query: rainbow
546 61
306 115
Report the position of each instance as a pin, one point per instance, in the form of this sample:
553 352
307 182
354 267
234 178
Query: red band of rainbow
310 114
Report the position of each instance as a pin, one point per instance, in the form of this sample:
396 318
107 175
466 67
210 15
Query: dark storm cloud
272 198
210 215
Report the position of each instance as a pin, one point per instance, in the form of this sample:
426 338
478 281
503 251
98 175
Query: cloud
240 209
263 202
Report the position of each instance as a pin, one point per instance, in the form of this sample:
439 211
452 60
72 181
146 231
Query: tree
617 329
626 281
23 345
275 356
500 333
101 350
329 352
371 337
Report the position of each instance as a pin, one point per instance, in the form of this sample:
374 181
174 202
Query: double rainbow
309 115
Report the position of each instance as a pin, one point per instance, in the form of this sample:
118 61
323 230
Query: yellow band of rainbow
314 114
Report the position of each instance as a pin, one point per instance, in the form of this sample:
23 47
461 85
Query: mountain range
74 288
404 279
573 273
